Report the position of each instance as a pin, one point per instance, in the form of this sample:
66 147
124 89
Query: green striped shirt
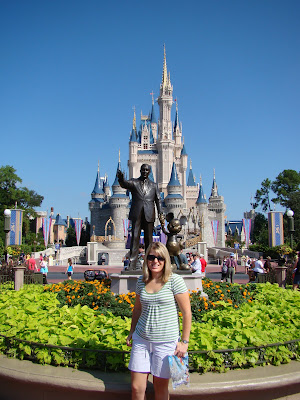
158 321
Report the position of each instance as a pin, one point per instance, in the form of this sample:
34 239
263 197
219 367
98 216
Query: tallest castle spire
165 70
166 81
165 101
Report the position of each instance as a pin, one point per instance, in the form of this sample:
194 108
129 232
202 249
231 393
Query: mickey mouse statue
174 245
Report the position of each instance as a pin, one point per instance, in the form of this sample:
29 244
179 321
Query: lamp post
7 214
290 214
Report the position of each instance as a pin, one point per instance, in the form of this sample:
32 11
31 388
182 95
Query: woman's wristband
185 341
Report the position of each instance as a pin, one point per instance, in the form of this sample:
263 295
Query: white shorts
151 357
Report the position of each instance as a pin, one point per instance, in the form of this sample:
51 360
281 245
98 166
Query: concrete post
19 276
202 249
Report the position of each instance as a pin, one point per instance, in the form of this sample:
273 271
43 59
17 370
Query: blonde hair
161 250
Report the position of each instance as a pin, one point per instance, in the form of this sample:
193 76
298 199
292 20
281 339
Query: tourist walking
70 269
224 269
44 269
203 264
31 263
231 265
154 333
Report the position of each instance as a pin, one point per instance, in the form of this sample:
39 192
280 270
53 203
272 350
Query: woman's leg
161 388
232 275
138 385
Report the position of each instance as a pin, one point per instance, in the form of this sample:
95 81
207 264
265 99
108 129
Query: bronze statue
174 245
142 212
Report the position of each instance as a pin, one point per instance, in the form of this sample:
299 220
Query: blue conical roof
152 114
133 136
214 188
191 178
174 181
98 188
201 198
116 181
183 151
60 221
176 118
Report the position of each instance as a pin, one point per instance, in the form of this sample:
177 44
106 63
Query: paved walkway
26 380
214 269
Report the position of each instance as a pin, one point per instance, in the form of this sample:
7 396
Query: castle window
145 146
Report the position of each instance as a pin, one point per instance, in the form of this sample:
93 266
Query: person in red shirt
203 264
31 263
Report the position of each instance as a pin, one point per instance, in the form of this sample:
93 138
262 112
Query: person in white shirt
196 265
259 267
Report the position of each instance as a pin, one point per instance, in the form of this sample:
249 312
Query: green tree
293 203
259 234
262 196
85 234
71 237
11 195
285 186
286 191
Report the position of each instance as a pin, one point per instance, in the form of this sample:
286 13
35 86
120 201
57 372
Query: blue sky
71 72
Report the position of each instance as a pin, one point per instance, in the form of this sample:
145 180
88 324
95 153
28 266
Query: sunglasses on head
151 257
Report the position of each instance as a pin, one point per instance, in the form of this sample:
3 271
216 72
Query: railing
109 360
7 281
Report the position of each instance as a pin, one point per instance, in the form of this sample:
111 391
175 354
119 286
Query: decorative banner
247 230
275 222
126 223
16 220
47 222
78 229
215 228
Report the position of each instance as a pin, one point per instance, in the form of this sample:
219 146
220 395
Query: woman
296 280
70 269
154 329
44 269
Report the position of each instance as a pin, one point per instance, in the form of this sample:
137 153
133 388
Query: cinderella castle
160 143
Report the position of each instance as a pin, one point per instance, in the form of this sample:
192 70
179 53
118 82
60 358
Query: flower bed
78 315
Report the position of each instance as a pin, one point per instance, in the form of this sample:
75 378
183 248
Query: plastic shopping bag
179 370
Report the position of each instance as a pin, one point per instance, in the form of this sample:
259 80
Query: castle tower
192 189
133 148
118 204
174 200
96 203
153 120
165 142
183 160
177 134
201 203
217 209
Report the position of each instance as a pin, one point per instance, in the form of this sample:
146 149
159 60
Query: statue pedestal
125 283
